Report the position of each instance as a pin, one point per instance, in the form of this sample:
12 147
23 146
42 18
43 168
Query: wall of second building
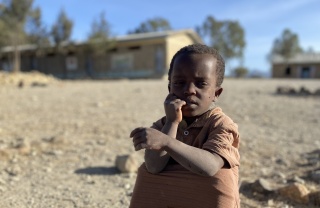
135 60
296 70
175 43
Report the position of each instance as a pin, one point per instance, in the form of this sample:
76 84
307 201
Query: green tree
240 72
152 25
100 29
99 38
13 17
286 46
225 36
61 29
36 30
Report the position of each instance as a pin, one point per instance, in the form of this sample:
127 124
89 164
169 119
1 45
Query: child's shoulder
218 118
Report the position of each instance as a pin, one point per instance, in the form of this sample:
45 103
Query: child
191 154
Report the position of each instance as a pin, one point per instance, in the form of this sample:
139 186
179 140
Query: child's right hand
172 107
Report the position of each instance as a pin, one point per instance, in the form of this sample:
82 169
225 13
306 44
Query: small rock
4 154
296 192
3 189
2 182
57 140
298 179
13 170
262 186
127 163
314 198
24 149
315 175
304 91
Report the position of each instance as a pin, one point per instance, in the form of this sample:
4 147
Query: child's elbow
208 173
153 170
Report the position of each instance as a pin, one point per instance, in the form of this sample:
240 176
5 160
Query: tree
286 46
98 42
225 36
152 25
240 71
36 31
99 38
62 29
100 29
13 16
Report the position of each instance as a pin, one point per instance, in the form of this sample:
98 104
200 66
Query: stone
24 148
4 154
314 198
127 163
262 186
315 175
13 170
296 192
298 179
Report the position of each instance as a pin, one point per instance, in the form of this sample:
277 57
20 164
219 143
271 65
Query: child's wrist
173 124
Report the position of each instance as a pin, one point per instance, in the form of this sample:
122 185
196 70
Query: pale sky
262 20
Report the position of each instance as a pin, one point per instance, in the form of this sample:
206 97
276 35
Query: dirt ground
59 141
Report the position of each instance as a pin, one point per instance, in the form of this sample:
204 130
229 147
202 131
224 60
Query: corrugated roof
21 48
303 58
124 38
162 34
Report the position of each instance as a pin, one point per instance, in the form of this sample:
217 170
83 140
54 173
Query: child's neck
190 120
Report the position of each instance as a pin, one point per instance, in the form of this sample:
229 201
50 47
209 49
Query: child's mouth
190 102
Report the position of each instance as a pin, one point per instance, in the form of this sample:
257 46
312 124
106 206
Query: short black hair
202 49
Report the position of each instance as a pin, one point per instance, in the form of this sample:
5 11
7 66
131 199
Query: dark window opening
288 71
112 50
51 54
134 48
305 72
71 53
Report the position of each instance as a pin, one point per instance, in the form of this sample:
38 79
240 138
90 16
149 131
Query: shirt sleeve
224 141
158 125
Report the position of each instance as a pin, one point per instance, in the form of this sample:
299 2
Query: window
134 48
122 62
288 71
305 72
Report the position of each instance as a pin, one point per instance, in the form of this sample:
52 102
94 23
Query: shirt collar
199 122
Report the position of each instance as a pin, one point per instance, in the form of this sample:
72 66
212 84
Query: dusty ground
58 143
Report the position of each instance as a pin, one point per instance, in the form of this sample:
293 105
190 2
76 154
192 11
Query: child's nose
190 89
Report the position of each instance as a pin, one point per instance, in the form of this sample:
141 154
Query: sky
262 20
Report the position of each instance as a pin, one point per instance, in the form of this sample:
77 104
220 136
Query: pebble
3 189
315 175
295 192
13 170
298 179
126 163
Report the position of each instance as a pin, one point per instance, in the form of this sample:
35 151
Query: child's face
193 79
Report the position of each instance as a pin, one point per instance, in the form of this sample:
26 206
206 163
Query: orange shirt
177 187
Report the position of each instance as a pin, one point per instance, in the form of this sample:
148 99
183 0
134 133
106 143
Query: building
306 66
144 55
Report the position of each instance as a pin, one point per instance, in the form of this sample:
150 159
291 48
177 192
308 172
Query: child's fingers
140 146
170 97
137 140
136 130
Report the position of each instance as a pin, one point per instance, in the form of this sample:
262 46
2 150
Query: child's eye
201 84
178 83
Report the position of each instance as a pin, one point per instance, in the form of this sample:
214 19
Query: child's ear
217 93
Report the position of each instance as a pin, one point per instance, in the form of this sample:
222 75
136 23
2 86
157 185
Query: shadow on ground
98 171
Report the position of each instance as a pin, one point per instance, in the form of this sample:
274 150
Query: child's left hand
148 138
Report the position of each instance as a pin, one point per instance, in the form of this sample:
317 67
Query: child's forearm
196 160
156 160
